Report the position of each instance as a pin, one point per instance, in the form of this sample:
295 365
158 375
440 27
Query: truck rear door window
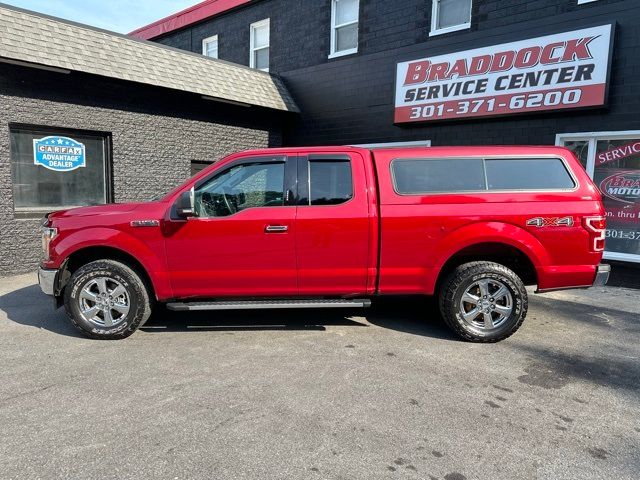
330 182
527 174
415 176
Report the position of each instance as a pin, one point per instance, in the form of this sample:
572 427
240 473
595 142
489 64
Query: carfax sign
61 154
565 70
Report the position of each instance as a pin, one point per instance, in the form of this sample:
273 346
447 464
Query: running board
268 304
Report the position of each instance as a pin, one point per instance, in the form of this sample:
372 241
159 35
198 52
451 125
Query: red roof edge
186 17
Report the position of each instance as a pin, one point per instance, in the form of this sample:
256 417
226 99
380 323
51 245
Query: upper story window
210 46
344 27
259 45
450 16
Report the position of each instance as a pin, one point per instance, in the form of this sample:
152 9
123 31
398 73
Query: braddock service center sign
61 154
565 70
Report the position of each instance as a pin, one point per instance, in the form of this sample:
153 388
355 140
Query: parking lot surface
383 393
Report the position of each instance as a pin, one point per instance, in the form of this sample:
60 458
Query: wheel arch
502 253
88 254
501 243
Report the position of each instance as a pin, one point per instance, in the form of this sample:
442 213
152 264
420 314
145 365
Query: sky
118 15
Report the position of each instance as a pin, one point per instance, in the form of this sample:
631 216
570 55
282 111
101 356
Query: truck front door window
240 187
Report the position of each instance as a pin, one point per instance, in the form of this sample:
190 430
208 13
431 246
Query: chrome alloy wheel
104 302
486 304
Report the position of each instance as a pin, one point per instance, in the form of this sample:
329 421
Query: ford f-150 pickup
334 227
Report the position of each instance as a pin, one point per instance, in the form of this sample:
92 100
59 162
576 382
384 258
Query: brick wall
300 28
156 134
350 99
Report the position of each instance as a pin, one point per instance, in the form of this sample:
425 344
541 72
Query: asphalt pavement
379 394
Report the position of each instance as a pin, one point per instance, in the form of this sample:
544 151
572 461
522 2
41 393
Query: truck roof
475 150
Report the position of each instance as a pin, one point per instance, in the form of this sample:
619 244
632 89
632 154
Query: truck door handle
276 229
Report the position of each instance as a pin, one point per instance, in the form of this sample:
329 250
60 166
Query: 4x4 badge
550 222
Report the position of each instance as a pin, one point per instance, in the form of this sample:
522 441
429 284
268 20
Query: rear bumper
47 280
567 278
602 275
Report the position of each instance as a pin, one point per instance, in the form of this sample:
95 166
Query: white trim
453 28
333 53
592 138
419 143
582 2
343 53
623 257
266 22
36 66
621 134
205 45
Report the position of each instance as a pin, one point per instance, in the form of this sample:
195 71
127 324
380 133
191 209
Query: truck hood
110 209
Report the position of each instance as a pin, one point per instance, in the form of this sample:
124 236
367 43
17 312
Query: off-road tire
140 303
455 285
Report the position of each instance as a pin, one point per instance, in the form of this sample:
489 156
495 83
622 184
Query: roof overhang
47 43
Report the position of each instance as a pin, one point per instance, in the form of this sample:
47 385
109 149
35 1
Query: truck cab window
247 185
330 182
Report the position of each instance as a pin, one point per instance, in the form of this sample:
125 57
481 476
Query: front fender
145 252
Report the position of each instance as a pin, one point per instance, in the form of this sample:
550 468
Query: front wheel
107 300
483 301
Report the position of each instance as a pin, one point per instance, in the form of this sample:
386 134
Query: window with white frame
210 46
450 16
612 160
344 27
259 45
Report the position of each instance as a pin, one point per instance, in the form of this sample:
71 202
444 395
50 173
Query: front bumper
602 275
47 280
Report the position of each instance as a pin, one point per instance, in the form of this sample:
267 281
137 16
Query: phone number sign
565 70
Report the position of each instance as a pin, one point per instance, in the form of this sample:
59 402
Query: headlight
48 234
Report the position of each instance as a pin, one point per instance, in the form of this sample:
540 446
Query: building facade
453 72
70 136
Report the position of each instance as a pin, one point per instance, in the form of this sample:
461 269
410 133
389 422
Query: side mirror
185 205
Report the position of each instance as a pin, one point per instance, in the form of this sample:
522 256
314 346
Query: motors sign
622 186
565 70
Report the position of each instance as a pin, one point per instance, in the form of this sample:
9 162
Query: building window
612 159
344 27
259 45
54 169
210 46
198 165
450 16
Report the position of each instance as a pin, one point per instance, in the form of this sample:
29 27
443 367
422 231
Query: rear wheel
107 300
483 301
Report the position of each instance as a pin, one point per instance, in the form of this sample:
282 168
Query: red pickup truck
337 227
